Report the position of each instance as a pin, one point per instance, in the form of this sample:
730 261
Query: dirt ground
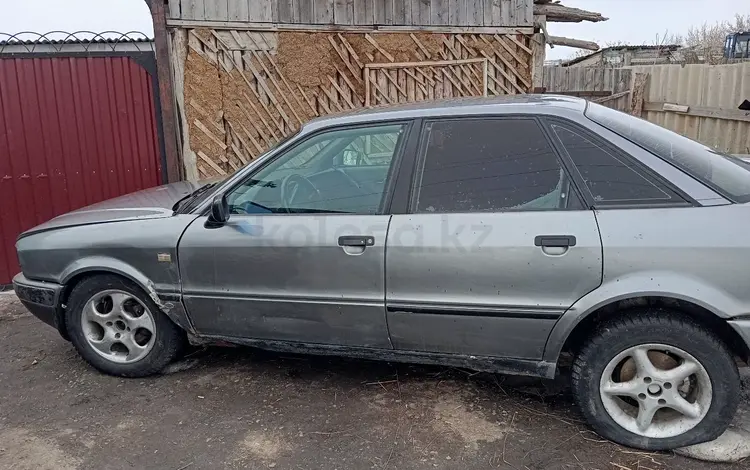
240 408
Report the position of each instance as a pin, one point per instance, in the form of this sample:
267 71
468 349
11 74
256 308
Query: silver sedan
499 235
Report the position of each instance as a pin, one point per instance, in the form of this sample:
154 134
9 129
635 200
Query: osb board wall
245 91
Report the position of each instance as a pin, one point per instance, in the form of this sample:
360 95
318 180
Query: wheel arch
92 265
569 333
85 268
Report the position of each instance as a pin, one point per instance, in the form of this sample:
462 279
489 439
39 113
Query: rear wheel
119 330
656 380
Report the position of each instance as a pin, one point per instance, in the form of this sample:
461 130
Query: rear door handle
555 241
356 240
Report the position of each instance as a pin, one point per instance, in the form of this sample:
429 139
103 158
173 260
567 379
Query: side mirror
219 212
350 158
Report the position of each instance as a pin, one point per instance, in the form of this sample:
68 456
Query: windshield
187 203
194 199
724 174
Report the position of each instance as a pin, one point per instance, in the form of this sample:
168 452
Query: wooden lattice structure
242 86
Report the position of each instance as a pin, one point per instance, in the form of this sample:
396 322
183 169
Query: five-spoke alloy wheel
118 326
656 390
655 379
119 329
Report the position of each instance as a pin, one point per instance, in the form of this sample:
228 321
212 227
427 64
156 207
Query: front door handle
555 241
357 240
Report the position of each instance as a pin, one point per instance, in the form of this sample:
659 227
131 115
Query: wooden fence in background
422 81
702 102
707 103
608 86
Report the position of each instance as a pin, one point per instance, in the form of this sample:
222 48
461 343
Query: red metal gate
74 130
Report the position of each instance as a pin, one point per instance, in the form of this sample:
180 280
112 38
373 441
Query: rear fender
644 284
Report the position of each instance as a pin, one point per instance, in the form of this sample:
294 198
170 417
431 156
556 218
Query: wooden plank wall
595 79
239 92
591 83
476 13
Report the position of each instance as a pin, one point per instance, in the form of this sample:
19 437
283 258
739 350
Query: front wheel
656 380
119 330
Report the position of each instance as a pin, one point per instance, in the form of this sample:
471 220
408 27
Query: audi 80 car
494 234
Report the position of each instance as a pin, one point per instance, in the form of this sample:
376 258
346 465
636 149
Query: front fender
111 265
645 284
169 303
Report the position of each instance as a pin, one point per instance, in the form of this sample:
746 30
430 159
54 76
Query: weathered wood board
489 13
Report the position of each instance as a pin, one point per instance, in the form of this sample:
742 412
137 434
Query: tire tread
642 320
171 338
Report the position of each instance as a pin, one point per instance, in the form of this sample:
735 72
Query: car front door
495 243
302 255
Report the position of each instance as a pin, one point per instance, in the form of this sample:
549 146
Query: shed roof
666 48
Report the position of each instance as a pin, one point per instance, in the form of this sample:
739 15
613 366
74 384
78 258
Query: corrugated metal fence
702 100
73 131
712 94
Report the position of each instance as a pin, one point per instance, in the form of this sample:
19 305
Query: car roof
504 104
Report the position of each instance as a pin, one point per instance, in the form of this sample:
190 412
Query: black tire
168 344
663 327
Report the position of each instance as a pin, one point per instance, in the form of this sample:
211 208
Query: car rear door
312 271
493 243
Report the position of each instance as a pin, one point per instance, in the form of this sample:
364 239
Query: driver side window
370 150
337 171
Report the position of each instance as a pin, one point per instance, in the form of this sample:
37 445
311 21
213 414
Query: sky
630 21
75 15
640 21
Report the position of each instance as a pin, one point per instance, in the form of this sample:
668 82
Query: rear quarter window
723 173
610 176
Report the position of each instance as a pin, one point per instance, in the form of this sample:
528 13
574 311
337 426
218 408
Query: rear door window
489 165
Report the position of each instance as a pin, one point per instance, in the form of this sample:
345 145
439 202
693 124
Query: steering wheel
290 187
349 178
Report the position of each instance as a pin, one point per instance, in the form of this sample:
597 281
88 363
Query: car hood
145 204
